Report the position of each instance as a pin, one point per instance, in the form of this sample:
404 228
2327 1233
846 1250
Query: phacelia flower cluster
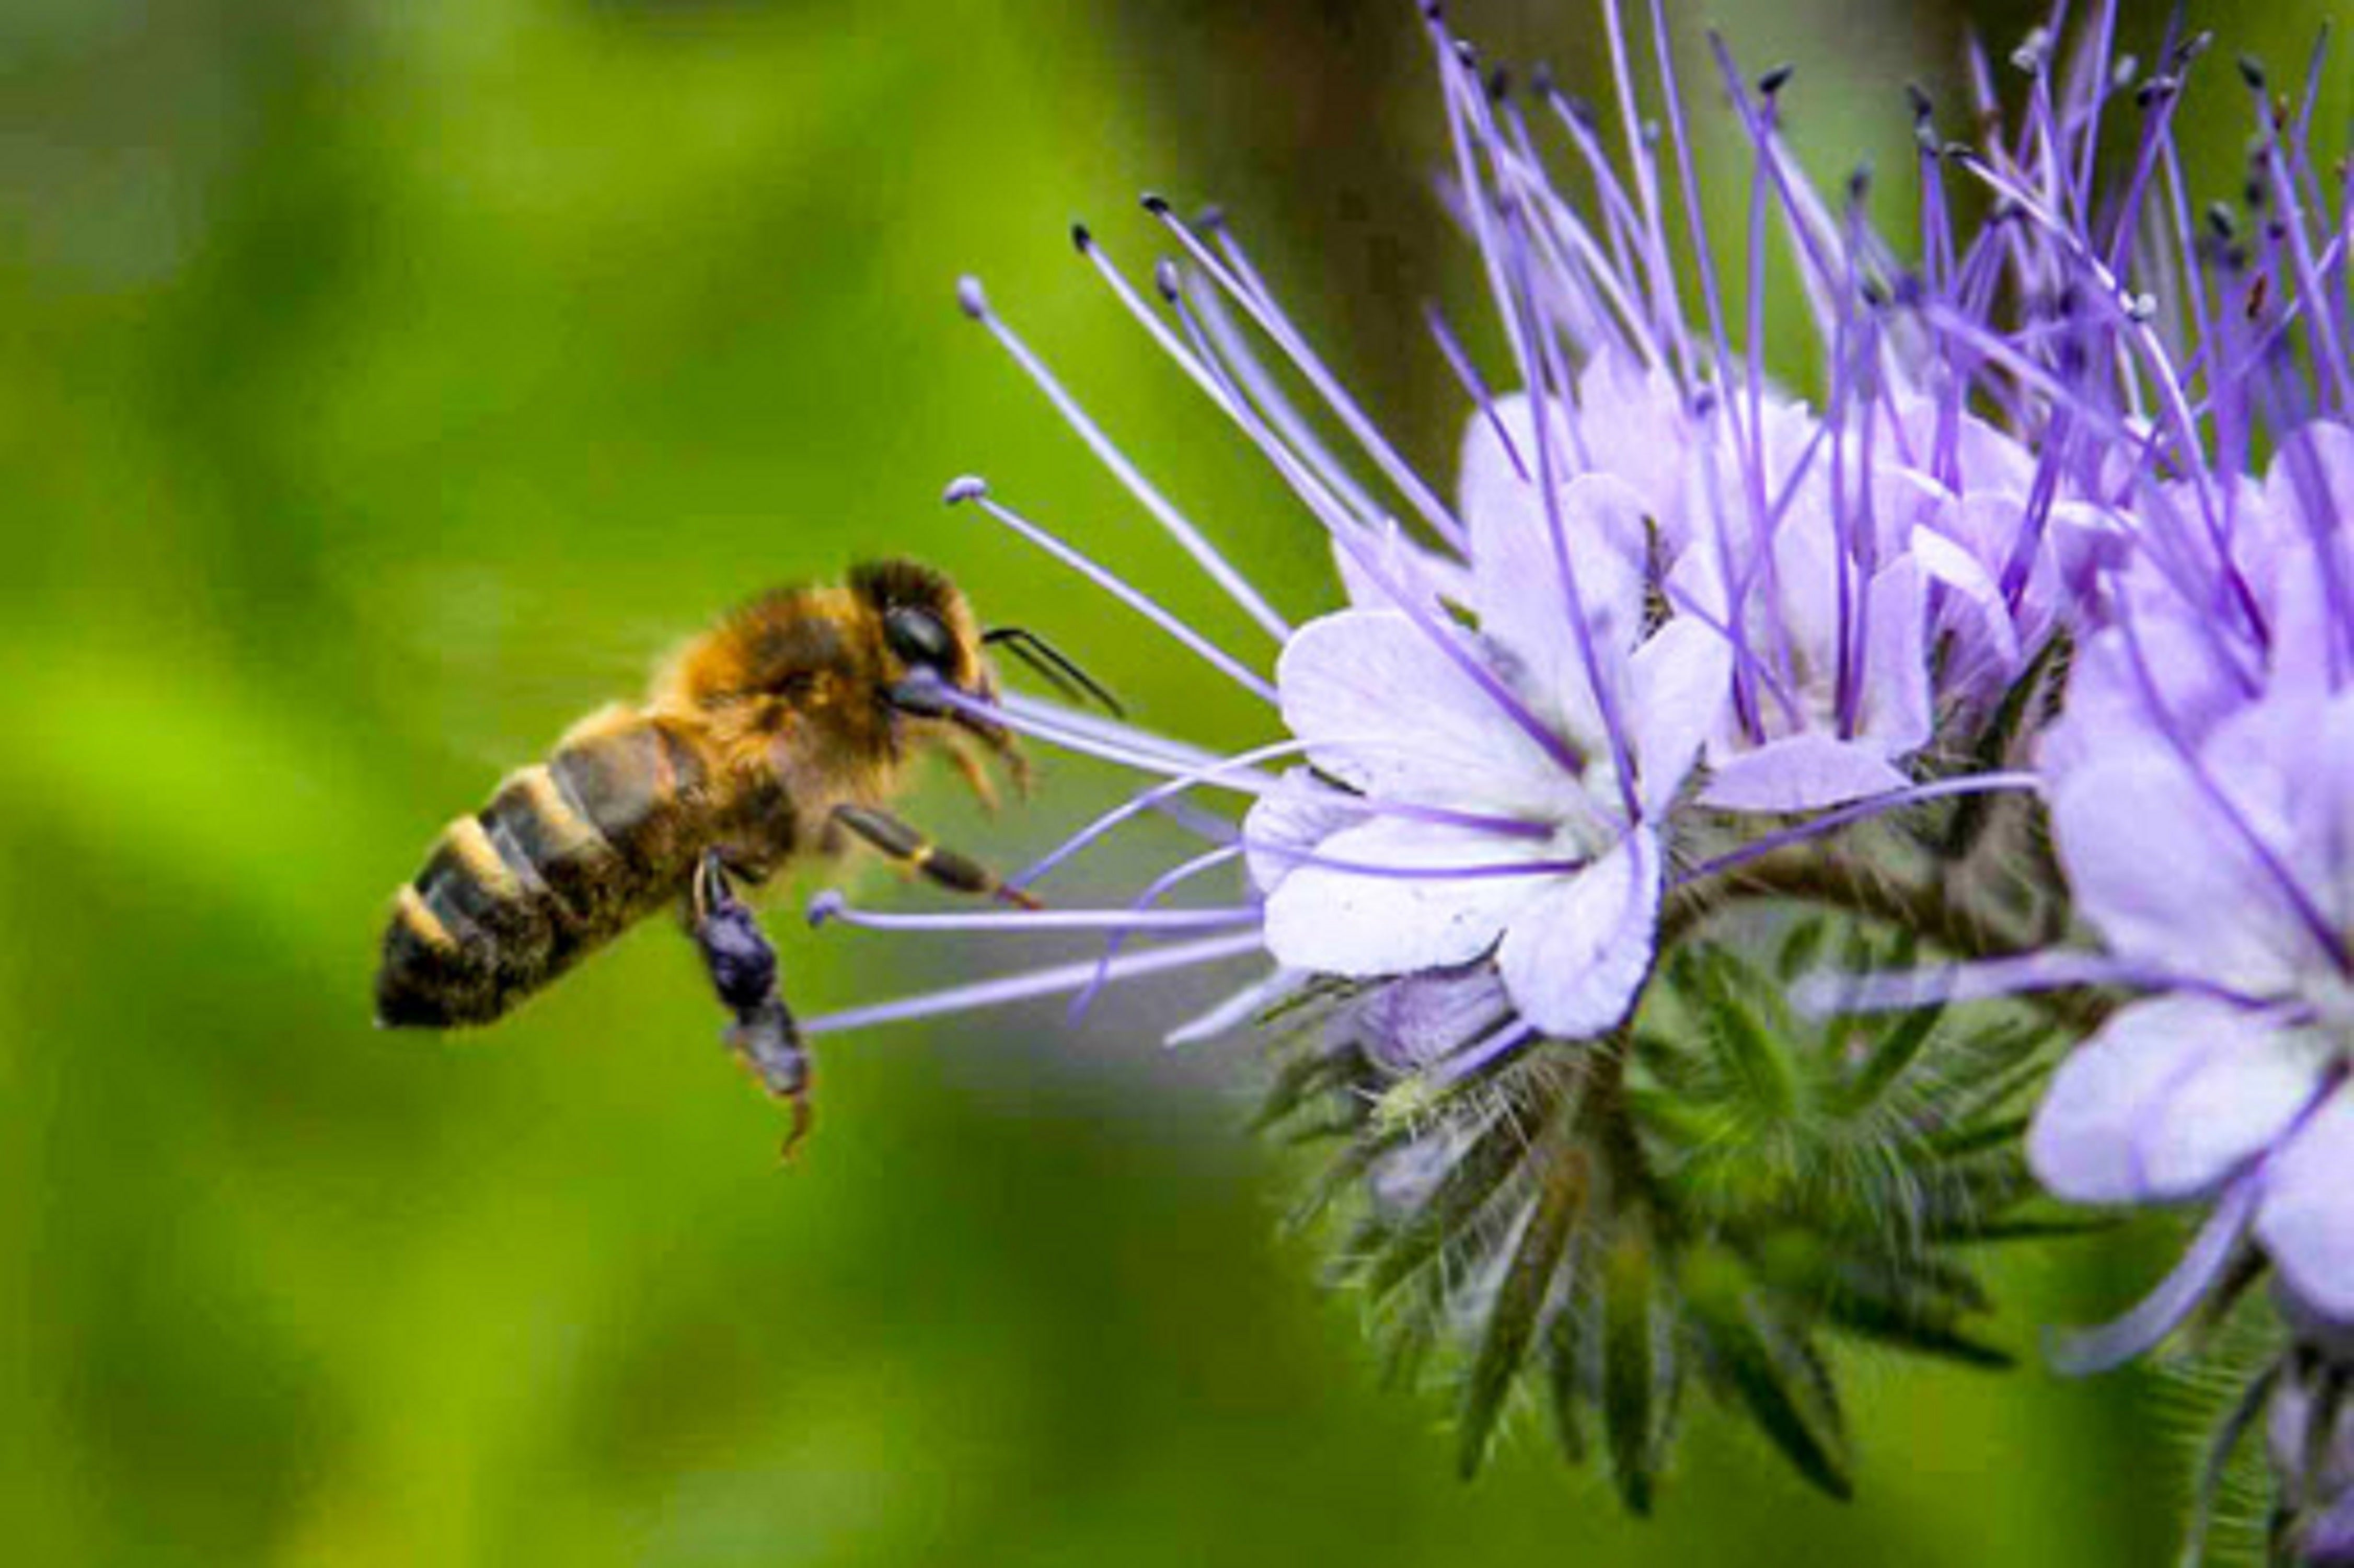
1707 826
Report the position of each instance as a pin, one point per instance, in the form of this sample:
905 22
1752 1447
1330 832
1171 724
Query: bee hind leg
742 965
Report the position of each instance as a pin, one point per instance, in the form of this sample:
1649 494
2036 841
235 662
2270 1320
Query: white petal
2113 1103
1799 774
1522 601
1496 486
1973 606
1341 922
1405 567
2167 880
1632 423
2313 472
2306 1219
2313 750
1290 819
1895 709
1681 680
2230 1108
1381 707
1574 958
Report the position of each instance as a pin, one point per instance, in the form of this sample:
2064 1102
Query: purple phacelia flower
1670 607
2202 805
1500 789
2199 777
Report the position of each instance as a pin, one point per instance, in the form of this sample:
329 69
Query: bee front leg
743 968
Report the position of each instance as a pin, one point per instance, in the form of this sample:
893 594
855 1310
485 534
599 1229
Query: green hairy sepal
1706 1200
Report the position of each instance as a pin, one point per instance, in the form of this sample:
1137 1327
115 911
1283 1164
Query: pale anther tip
963 488
825 906
971 300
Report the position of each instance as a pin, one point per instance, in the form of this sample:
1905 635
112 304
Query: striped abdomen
568 855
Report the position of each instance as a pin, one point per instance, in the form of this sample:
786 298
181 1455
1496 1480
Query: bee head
928 633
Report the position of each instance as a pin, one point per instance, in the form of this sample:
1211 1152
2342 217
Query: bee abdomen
568 855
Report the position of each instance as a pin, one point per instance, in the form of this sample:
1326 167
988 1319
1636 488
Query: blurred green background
381 386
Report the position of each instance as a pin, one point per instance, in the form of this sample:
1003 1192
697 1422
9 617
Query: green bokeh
384 385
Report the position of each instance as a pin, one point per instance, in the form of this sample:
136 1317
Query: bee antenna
1051 662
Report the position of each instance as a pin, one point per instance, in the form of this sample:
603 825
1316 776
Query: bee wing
493 669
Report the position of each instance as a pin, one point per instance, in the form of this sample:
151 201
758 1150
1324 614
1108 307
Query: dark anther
1155 204
1500 84
2252 71
1774 80
1918 96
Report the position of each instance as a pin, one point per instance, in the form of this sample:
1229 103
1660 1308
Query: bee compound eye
918 637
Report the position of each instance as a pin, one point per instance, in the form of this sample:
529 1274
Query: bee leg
743 970
970 769
910 848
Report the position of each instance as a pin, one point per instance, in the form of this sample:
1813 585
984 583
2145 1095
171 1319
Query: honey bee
780 733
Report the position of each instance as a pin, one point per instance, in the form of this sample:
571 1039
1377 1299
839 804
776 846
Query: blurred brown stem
1927 906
